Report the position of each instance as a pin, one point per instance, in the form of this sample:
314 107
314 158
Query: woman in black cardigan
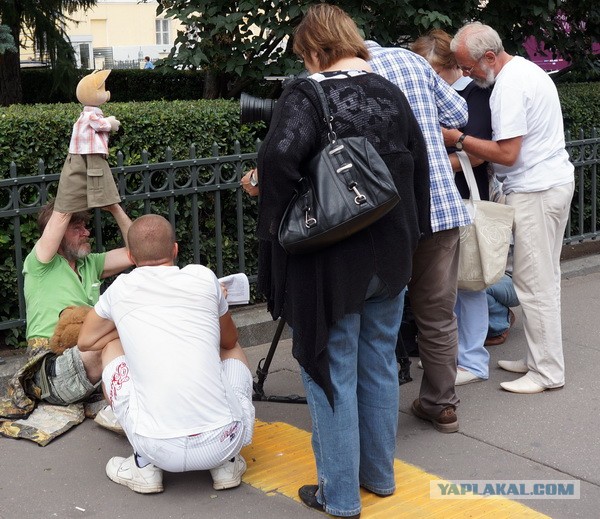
344 302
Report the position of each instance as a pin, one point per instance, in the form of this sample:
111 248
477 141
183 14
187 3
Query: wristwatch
253 179
459 142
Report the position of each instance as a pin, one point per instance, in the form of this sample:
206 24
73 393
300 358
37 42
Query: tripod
263 370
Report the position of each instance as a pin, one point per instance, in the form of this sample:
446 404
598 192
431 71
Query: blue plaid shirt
434 103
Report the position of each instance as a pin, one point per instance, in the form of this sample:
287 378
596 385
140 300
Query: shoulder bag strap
467 170
325 106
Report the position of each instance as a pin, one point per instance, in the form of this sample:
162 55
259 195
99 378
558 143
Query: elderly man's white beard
74 254
489 80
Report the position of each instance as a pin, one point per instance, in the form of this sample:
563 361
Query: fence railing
585 156
194 179
184 191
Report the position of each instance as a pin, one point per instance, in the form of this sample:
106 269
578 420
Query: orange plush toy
86 180
67 329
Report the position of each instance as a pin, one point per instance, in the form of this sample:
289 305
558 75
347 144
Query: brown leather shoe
500 339
446 422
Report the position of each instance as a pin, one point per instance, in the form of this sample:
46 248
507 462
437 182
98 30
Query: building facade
117 33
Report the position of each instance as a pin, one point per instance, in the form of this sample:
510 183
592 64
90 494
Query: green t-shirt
50 287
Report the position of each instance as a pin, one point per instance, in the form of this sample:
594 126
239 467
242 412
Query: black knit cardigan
313 291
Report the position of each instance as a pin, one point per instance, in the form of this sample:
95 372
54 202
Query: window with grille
162 32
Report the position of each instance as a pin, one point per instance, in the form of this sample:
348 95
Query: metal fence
197 178
585 156
179 187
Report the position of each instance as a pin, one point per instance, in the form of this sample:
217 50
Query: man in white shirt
176 377
529 156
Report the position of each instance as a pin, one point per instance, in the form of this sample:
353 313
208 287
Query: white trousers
200 451
540 221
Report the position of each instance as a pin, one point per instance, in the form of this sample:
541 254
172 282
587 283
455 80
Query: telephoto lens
255 109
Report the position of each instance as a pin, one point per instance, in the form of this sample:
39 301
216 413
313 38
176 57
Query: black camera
255 109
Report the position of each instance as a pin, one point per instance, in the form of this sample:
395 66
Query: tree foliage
237 42
43 23
7 43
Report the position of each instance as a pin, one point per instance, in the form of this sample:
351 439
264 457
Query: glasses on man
467 70
79 228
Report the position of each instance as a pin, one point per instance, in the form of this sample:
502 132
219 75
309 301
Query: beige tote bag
483 244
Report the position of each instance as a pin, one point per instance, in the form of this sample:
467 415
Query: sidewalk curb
580 266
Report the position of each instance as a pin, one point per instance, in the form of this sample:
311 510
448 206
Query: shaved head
151 240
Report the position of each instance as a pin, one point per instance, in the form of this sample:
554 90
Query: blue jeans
354 443
500 297
472 315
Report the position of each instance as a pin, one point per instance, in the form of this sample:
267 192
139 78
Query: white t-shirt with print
168 322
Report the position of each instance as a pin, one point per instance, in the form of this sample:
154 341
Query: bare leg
93 359
92 362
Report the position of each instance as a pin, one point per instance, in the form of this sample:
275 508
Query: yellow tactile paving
280 461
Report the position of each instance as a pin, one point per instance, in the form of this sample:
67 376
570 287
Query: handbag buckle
309 221
343 168
359 199
337 149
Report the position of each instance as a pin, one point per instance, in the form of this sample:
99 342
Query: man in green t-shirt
61 271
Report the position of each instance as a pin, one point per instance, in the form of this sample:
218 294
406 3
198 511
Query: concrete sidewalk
503 436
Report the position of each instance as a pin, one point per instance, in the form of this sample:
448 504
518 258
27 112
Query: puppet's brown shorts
85 182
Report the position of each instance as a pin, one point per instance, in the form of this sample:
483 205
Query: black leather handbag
347 188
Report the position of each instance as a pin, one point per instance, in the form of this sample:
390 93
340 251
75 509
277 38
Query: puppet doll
86 180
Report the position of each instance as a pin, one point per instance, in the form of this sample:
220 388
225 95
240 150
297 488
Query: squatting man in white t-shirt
177 379
530 159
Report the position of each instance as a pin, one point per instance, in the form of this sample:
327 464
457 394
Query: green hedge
152 85
125 85
28 133
581 106
32 132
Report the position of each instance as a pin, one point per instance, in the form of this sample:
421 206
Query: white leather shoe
420 364
524 385
465 377
514 366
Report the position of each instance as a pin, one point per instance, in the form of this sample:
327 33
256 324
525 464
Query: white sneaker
229 473
514 366
124 471
465 377
107 419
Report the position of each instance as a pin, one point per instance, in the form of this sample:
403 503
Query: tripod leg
263 370
263 366
403 360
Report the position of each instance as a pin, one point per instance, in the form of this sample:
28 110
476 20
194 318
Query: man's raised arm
117 259
49 242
